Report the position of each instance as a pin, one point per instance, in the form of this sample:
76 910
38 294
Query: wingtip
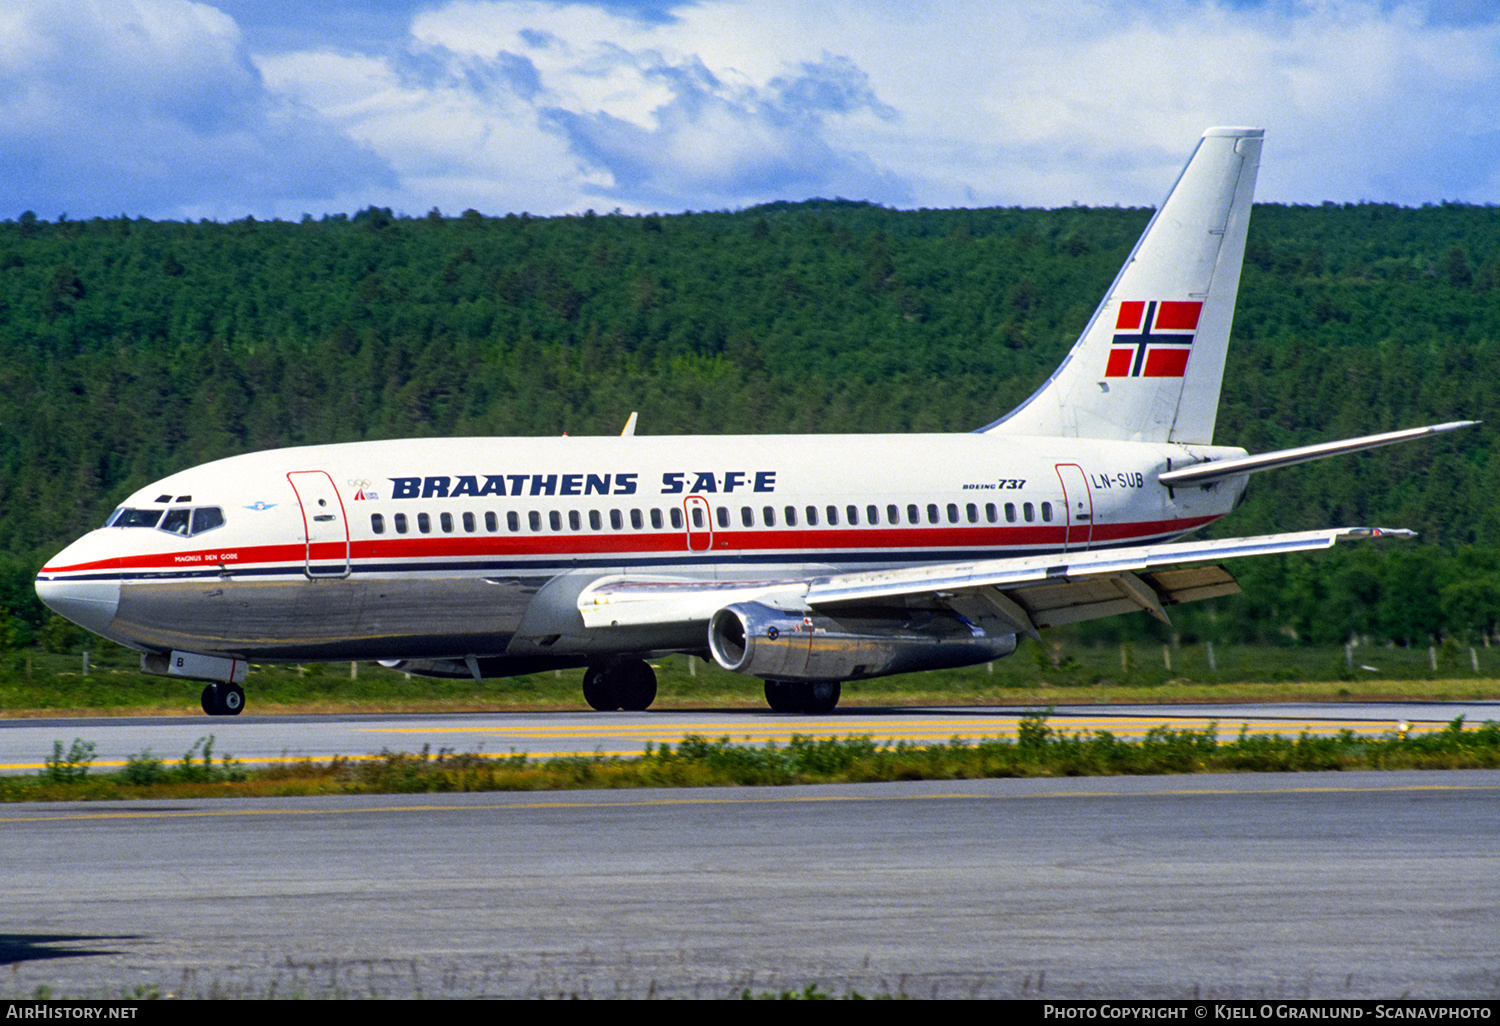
1378 532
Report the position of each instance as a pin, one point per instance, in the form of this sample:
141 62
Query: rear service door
324 524
1079 504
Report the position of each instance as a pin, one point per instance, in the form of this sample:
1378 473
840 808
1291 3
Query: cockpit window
206 518
136 518
182 521
176 521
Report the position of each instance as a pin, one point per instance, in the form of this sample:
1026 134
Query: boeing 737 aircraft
803 560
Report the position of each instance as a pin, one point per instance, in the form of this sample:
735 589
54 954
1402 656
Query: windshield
181 521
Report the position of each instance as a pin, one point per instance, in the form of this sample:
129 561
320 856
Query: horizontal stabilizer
1217 470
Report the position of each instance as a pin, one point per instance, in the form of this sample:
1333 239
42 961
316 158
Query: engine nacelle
777 644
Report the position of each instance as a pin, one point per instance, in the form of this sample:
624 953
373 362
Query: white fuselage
437 548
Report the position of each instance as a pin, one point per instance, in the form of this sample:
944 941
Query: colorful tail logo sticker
1152 340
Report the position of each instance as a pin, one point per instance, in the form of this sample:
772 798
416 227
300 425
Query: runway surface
1239 886
267 739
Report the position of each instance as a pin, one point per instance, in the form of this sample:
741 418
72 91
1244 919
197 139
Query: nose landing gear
223 699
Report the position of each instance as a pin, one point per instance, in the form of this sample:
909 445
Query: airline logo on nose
1152 340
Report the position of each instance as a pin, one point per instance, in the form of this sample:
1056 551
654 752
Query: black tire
821 697
783 696
634 685
599 690
210 700
231 699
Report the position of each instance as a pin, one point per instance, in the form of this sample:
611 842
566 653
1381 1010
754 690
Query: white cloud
509 105
152 106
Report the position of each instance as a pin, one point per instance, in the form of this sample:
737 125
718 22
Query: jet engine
804 645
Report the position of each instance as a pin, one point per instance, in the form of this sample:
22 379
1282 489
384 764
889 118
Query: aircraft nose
90 604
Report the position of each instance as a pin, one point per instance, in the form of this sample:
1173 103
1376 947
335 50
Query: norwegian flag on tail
1152 340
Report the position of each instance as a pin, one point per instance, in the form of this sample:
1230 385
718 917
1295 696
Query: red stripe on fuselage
812 544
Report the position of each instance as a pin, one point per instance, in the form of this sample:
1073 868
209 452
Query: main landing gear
223 699
629 684
793 696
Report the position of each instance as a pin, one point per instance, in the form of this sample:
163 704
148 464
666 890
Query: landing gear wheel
635 685
782 696
816 698
223 699
597 691
629 684
231 699
821 697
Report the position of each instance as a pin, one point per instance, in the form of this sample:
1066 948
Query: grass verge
1038 751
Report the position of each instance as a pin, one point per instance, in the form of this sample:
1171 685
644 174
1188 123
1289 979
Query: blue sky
176 109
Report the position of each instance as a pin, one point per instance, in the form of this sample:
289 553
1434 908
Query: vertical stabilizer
1150 362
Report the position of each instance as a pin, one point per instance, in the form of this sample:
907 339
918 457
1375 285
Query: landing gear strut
789 696
629 684
223 699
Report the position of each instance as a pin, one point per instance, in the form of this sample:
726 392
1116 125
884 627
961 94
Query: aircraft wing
1025 593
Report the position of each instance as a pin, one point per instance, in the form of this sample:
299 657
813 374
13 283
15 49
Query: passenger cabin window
990 513
770 514
469 523
377 523
400 520
616 520
747 516
595 521
676 515
1010 512
893 514
812 516
852 512
1028 512
656 520
1046 511
932 513
492 523
574 521
722 514
554 520
534 520
791 516
424 523
833 516
872 514
635 520
512 521
446 520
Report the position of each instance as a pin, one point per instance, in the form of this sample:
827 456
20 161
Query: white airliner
803 560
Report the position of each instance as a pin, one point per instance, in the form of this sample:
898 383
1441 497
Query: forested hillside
129 349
